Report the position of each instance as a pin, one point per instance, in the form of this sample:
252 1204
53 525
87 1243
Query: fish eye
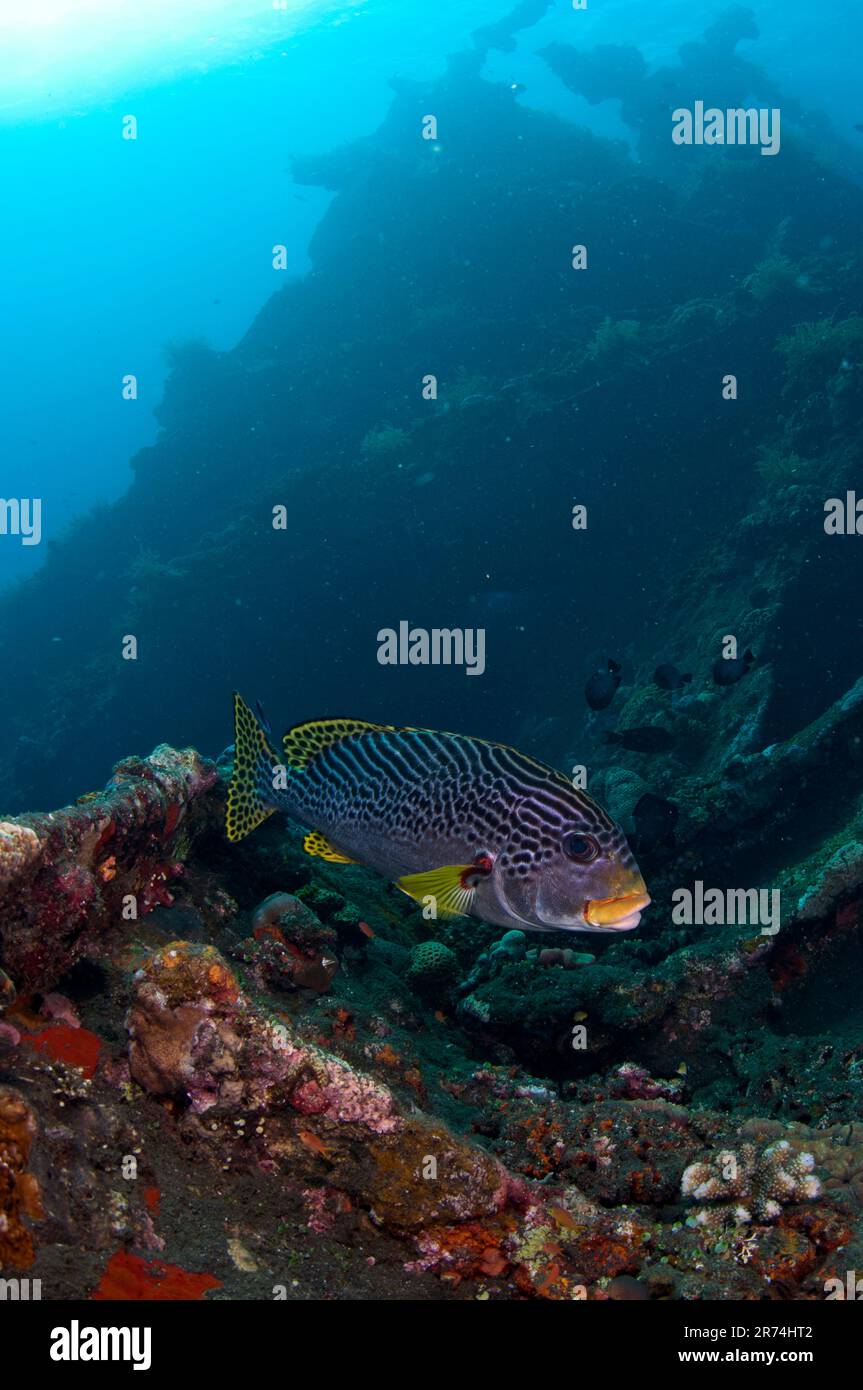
581 848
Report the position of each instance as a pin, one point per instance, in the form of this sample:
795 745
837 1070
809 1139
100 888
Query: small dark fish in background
655 818
645 738
624 1289
669 678
602 686
728 670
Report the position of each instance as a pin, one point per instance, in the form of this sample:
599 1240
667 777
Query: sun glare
62 56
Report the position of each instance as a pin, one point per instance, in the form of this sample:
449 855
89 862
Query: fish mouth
616 914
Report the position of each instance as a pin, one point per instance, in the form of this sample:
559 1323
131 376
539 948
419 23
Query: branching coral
615 340
780 466
815 352
750 1184
773 278
693 319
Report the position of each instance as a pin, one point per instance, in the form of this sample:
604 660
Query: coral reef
815 352
68 877
366 1127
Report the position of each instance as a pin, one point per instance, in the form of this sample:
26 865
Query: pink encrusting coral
347 1096
193 1034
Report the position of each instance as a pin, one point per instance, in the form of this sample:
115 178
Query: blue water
114 250
152 259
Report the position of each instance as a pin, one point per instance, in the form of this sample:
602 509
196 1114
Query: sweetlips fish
475 827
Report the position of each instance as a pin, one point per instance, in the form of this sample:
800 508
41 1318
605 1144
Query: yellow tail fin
250 794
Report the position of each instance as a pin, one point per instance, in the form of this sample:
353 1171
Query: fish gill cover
525 964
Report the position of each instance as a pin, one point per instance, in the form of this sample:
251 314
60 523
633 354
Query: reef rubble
271 1077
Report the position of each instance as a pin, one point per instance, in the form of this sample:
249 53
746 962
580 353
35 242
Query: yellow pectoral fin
447 886
316 843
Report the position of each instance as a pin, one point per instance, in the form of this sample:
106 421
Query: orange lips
614 912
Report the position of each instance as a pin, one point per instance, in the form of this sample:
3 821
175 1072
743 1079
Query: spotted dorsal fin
304 742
